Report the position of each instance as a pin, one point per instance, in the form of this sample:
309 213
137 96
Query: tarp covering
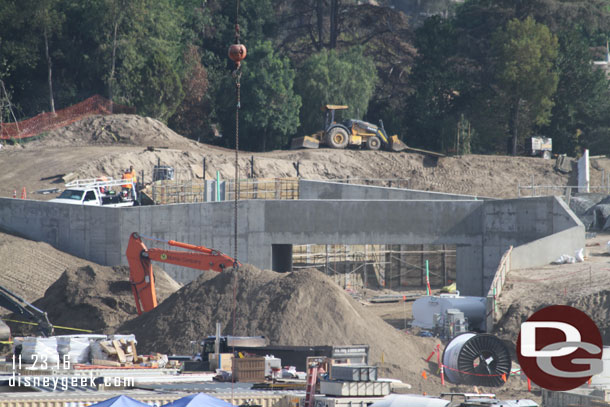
120 401
198 400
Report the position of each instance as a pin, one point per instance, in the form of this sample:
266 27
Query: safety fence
493 313
95 105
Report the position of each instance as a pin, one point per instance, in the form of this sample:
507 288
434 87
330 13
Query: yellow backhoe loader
351 132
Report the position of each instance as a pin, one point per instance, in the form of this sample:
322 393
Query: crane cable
237 53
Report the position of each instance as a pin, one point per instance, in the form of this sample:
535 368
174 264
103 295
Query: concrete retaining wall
309 189
481 230
548 249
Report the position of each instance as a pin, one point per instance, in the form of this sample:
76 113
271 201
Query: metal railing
496 289
562 190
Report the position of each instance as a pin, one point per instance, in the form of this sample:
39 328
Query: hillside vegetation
490 70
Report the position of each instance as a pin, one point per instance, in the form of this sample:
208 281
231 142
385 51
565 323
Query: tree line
491 72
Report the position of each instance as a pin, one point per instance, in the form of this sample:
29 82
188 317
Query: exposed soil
300 308
583 285
96 298
28 268
106 145
303 308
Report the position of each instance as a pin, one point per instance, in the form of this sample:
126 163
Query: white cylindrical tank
474 308
423 311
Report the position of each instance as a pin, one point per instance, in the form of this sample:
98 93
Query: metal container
354 373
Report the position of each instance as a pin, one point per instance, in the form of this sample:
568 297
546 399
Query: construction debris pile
299 308
95 298
593 210
120 351
98 350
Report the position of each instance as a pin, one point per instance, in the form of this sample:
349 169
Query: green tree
49 19
269 112
191 117
582 100
148 59
159 89
332 77
526 79
430 114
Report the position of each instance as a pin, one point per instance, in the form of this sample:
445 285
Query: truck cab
92 192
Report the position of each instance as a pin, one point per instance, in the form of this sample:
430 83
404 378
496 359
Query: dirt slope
94 297
107 145
28 268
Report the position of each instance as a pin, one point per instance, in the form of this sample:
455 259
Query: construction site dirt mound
122 129
96 298
28 268
299 308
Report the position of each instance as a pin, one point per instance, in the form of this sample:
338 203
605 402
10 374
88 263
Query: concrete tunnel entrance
281 258
394 267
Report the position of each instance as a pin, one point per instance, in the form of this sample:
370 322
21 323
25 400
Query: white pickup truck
94 192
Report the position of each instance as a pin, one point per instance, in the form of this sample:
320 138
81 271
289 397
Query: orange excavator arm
141 275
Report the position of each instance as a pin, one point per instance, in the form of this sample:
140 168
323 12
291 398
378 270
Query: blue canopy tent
120 401
199 400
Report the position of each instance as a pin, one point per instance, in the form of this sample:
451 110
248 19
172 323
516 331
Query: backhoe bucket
396 144
304 142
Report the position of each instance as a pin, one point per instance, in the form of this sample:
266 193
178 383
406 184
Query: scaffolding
165 192
263 188
394 267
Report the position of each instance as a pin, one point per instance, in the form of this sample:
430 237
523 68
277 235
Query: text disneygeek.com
64 382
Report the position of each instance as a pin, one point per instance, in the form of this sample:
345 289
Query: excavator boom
141 275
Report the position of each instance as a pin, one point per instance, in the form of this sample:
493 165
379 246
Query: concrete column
469 262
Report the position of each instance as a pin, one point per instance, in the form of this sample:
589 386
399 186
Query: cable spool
476 359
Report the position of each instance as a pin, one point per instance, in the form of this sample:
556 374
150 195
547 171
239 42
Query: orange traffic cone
24 194
15 193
